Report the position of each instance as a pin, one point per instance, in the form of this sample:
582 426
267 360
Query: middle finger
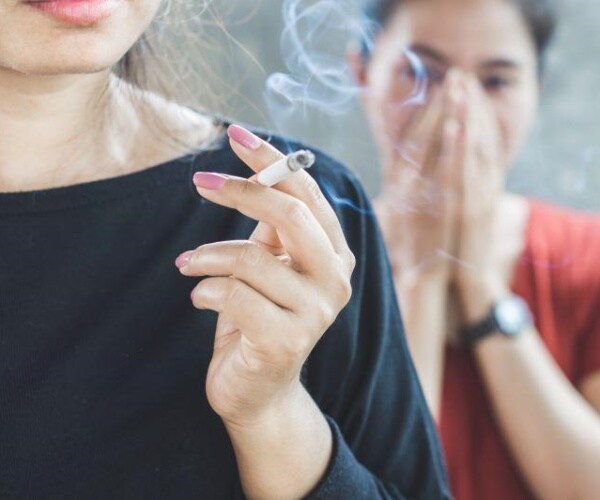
251 264
303 238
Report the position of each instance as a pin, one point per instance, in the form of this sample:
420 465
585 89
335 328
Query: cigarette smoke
319 86
314 43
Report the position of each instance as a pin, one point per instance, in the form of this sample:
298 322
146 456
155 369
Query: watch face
512 315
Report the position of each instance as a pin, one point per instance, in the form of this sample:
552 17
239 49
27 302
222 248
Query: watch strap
483 329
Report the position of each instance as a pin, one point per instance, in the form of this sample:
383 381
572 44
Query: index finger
301 234
259 154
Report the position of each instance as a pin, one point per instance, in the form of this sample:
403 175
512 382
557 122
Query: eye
419 72
496 83
407 72
435 75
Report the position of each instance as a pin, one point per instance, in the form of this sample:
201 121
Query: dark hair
539 15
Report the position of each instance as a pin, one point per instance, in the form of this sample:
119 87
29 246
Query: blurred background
560 164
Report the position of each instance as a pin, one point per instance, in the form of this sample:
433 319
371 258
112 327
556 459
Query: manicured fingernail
183 259
244 137
209 180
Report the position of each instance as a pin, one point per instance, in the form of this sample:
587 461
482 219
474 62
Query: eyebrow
433 54
424 50
501 63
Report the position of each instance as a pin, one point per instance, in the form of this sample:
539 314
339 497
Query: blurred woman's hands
418 206
439 204
418 211
481 271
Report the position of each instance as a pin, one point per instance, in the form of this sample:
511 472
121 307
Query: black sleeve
362 377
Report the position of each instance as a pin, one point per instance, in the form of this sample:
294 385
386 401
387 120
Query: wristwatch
509 316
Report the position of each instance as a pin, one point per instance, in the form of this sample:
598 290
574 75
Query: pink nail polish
209 180
244 137
183 259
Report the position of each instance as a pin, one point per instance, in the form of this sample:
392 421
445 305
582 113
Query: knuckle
249 256
241 191
197 257
325 315
346 291
236 294
295 347
312 189
350 259
342 282
295 211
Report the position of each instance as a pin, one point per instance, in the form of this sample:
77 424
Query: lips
76 12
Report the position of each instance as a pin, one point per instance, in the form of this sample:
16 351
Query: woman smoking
257 365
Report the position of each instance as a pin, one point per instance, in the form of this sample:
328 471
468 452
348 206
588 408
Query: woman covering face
500 293
272 380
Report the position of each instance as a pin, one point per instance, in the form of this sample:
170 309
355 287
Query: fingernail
183 259
209 180
244 137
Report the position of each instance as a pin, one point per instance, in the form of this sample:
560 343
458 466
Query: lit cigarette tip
301 160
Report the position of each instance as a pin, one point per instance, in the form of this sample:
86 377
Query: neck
53 128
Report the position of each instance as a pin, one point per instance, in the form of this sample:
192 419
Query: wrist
437 277
478 295
273 416
284 452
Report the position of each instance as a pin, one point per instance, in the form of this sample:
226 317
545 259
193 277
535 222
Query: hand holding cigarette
278 292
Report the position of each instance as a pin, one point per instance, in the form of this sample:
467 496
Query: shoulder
565 244
563 234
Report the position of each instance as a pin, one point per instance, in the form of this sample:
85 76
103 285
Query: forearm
285 454
553 433
424 302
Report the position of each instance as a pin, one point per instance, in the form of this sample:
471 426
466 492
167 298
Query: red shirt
558 274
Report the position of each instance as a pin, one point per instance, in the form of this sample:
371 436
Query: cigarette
286 167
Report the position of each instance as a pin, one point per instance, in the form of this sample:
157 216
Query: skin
259 288
55 85
455 242
56 89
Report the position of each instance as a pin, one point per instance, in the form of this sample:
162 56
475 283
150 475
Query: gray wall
561 162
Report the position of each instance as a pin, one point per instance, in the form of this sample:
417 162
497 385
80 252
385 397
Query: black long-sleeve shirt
103 357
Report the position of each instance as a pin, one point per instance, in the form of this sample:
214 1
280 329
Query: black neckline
102 190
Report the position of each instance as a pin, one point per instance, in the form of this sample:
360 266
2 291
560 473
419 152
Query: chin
65 68
54 61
